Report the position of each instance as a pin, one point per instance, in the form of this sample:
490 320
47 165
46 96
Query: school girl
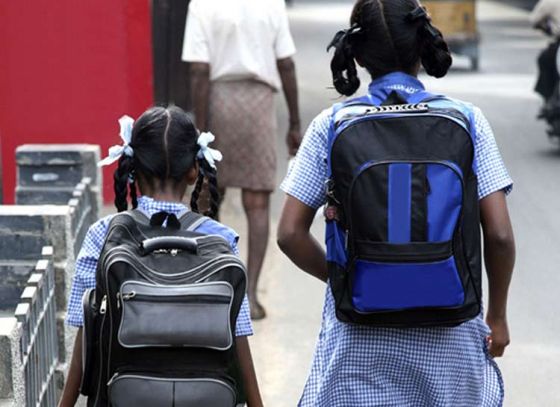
405 367
161 156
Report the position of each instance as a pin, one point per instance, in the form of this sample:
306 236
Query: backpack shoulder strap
139 216
190 220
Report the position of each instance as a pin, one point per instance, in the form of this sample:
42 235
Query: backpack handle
169 243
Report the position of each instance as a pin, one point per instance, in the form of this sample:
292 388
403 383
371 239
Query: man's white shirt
240 39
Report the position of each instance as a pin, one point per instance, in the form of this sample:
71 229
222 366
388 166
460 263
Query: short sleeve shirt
240 39
86 263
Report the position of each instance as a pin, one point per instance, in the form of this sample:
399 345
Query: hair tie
342 36
206 153
420 14
116 152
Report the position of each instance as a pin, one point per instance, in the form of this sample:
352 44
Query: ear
192 174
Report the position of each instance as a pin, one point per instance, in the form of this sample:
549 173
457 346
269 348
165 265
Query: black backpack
405 251
159 328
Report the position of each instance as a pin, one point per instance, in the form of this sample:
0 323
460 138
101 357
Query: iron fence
39 344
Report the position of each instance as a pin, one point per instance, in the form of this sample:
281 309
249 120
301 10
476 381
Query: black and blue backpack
405 249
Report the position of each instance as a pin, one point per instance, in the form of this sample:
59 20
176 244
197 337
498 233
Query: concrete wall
25 229
48 173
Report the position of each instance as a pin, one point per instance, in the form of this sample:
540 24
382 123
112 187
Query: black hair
165 148
387 36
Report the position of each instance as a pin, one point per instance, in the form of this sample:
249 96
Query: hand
293 140
499 336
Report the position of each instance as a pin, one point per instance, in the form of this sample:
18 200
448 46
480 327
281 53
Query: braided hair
387 36
164 141
208 173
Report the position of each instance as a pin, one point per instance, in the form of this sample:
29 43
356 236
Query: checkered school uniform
86 263
360 366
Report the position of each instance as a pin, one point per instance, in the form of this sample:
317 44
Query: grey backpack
159 328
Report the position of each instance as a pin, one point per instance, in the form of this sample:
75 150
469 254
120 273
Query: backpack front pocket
403 221
195 315
146 391
381 286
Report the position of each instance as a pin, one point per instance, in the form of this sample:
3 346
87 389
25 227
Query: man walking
240 54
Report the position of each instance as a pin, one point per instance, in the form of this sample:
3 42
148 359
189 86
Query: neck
166 196
163 191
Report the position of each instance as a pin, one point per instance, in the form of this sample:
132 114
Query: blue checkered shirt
358 366
86 263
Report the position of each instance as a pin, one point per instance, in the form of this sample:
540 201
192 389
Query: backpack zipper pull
118 300
128 296
329 190
103 307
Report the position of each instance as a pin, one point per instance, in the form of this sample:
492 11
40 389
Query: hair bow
116 152
342 36
206 153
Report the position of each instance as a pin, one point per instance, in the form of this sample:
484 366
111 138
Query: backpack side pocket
90 346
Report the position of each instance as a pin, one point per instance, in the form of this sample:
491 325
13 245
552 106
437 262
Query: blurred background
69 70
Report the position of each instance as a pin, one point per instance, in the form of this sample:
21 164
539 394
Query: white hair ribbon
206 153
116 152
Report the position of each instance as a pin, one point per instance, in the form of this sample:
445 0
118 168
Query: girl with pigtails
387 365
163 153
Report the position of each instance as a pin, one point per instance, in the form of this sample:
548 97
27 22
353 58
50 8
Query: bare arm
296 241
71 390
287 70
200 93
248 372
499 257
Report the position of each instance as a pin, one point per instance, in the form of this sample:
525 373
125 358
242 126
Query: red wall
68 70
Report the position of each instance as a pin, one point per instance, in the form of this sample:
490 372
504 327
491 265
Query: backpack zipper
183 298
102 326
450 114
125 254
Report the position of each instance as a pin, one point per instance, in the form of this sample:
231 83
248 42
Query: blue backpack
405 249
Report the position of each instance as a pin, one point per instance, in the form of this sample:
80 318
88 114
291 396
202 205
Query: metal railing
39 344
